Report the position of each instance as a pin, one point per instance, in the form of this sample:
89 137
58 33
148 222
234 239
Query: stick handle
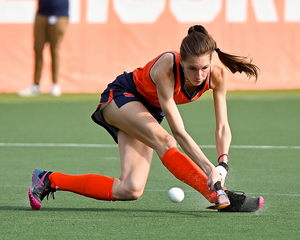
218 186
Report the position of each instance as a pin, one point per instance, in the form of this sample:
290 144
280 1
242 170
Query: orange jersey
145 85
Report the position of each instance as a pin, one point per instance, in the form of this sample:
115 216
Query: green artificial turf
264 160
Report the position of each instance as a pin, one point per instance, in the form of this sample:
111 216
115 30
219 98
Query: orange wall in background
107 37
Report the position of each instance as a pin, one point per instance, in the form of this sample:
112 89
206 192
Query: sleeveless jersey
145 85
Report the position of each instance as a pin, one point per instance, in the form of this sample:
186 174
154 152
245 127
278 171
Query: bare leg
40 38
134 119
136 159
56 34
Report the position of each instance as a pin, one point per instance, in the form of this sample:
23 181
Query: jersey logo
128 94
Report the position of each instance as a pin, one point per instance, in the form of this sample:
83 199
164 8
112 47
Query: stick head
223 200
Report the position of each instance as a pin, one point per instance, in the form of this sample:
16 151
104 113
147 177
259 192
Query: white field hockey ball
176 194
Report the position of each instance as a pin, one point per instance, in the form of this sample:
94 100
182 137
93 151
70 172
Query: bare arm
223 133
164 81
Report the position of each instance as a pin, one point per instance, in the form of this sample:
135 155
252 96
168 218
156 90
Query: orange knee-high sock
89 185
183 168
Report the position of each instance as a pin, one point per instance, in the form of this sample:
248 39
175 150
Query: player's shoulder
164 63
218 75
217 71
168 57
162 69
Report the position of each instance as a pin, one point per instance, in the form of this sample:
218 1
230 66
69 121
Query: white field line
58 145
83 145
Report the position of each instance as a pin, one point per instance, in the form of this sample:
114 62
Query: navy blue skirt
122 90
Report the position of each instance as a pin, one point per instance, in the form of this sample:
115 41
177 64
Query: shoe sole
218 206
34 203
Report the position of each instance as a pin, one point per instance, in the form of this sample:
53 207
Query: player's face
196 69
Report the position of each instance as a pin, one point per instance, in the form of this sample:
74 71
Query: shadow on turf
133 212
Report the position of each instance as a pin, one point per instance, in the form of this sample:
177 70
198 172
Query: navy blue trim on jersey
174 67
57 8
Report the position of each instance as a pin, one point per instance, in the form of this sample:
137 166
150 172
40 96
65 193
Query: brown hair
199 42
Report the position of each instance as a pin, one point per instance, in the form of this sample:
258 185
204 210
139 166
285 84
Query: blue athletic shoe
41 187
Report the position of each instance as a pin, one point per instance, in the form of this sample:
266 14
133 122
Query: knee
134 195
54 51
136 189
170 142
131 192
165 144
38 47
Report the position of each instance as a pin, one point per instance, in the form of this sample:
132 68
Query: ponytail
199 42
238 64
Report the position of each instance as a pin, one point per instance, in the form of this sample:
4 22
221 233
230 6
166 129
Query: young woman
132 108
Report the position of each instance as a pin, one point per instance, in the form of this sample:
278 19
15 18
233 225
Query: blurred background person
50 25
